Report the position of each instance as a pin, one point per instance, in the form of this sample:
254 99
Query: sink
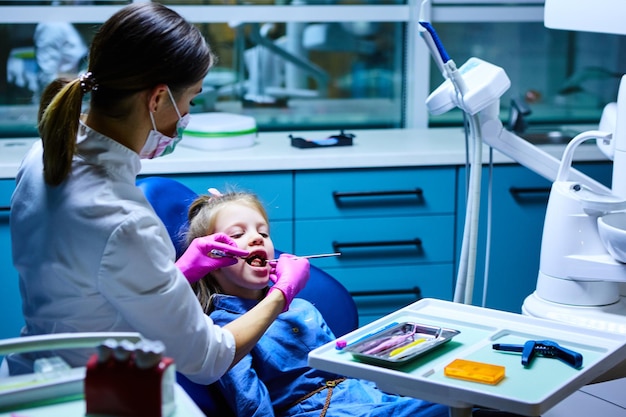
553 137
549 135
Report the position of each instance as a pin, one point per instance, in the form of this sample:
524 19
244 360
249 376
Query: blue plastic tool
546 348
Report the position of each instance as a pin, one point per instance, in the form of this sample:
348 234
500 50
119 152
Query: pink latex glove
197 260
289 275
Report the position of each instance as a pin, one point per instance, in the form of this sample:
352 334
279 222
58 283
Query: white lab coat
93 256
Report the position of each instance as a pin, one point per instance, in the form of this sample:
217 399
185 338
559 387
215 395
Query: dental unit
582 273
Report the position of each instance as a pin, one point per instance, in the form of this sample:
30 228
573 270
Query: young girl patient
274 379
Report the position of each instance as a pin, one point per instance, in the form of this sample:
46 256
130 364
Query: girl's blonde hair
202 217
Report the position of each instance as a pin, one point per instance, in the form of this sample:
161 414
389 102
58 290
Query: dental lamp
582 272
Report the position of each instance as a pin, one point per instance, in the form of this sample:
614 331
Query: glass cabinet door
342 64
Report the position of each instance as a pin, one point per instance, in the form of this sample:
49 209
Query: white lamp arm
525 153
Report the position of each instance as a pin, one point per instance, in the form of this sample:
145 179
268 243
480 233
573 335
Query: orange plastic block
485 373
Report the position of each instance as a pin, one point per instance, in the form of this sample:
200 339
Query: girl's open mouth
256 260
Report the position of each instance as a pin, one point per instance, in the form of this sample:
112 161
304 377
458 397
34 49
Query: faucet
518 110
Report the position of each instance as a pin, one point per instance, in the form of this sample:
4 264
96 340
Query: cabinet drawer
377 241
432 281
372 308
6 190
273 188
10 300
378 291
360 193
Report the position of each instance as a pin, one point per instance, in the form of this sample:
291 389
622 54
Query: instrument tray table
524 390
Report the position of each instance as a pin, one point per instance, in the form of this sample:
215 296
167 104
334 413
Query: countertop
273 152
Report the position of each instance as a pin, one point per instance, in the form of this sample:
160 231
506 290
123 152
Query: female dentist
91 254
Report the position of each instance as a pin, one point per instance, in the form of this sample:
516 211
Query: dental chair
170 200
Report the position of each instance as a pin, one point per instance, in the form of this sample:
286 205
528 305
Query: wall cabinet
10 300
398 229
393 227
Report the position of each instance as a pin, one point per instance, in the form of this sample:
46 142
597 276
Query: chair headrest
170 200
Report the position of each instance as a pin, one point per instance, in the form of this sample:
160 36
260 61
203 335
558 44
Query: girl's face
248 228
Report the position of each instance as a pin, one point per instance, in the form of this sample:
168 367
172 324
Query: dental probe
320 255
221 253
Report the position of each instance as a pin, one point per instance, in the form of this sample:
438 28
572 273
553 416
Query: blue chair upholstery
170 200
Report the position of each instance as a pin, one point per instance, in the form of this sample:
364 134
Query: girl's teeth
256 261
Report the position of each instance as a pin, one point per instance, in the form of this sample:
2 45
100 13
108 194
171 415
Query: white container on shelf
217 130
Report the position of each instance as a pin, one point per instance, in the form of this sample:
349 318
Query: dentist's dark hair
139 47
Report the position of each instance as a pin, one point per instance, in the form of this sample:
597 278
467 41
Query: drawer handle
5 208
411 291
337 246
337 196
520 192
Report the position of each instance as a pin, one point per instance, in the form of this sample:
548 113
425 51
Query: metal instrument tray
400 343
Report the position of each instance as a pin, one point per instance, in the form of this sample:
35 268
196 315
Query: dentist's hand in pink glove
289 275
197 261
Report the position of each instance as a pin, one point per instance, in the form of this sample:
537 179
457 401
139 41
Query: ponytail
58 127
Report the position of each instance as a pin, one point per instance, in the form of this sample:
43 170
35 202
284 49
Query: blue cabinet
274 189
393 227
10 300
398 229
520 199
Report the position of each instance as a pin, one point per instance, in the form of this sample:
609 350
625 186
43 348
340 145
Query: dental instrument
390 342
397 343
248 259
405 348
342 344
545 348
320 255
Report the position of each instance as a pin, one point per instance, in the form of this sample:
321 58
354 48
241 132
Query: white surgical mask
159 144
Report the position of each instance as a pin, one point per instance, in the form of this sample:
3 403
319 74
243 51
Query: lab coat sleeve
139 278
